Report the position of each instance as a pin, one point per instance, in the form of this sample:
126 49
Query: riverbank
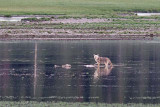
119 27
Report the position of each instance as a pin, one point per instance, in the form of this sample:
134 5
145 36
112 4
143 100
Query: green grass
33 19
132 25
113 24
69 104
7 15
77 7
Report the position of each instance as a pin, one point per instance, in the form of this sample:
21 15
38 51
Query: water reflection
99 72
27 71
35 69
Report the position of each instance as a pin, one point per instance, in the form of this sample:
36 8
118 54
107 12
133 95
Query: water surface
27 71
148 14
14 18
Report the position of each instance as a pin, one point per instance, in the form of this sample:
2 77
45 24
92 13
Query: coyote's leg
98 69
98 64
106 68
106 64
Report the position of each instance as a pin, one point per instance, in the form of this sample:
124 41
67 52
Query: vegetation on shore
69 104
76 7
34 19
117 25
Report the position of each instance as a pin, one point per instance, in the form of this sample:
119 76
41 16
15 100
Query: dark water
27 71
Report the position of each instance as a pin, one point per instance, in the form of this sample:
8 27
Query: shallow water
14 19
148 14
27 71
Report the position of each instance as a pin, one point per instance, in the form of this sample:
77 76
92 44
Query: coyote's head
96 56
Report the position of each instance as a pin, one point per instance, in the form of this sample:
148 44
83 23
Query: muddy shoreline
76 37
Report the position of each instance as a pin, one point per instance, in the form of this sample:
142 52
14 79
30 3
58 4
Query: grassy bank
117 26
132 27
67 104
74 7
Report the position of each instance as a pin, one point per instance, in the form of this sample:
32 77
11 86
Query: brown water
27 71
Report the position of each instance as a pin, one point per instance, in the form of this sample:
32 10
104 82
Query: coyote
103 60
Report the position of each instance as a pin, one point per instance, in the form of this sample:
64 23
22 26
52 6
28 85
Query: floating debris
89 66
66 66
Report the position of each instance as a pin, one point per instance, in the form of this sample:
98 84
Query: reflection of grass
94 7
66 104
